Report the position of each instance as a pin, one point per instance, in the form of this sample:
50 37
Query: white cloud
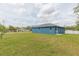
46 10
65 22
19 11
57 13
37 13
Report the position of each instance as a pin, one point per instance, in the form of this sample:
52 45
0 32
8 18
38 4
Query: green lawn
31 44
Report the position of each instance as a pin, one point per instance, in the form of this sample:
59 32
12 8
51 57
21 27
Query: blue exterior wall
48 30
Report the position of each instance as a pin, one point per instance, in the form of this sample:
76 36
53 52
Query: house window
39 28
50 28
56 28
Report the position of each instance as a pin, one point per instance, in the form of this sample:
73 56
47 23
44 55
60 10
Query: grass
32 44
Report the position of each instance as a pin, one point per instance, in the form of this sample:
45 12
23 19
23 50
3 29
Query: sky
28 14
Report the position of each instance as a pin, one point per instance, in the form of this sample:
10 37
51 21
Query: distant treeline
72 28
4 29
14 29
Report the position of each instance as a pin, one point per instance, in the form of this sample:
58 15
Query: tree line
4 29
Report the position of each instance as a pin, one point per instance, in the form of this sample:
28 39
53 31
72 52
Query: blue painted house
48 29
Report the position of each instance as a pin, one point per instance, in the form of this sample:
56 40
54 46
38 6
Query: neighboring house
18 30
48 29
22 30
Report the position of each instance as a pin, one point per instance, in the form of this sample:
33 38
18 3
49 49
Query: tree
2 30
70 28
29 28
12 28
77 22
76 10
